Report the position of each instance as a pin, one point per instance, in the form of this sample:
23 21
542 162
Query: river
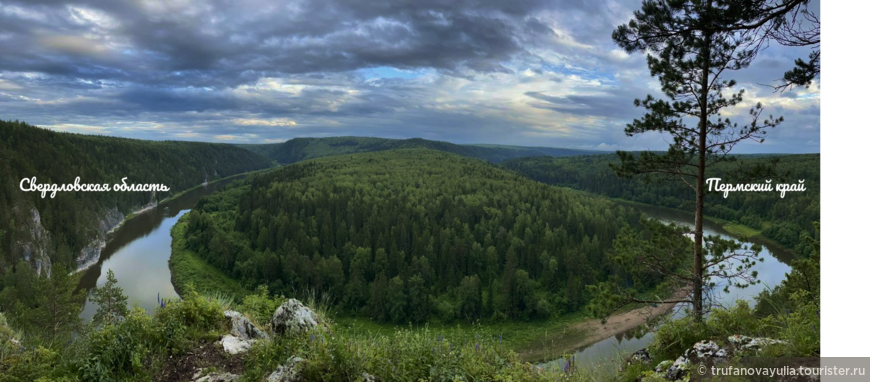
138 252
771 272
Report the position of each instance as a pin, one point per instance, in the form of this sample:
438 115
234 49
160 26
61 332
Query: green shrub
260 306
117 351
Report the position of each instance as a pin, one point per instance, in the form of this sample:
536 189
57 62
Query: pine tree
58 303
397 300
111 301
690 48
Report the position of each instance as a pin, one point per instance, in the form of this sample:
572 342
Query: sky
542 73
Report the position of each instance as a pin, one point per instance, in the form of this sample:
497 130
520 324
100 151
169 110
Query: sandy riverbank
588 332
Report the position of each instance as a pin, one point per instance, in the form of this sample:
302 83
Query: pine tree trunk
698 274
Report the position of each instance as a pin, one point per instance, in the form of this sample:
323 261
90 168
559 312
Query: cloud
541 73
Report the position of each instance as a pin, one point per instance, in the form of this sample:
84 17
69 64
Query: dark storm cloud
498 71
226 43
612 104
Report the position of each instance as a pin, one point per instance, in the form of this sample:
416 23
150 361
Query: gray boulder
215 377
678 370
663 365
640 356
703 349
243 328
752 343
242 335
286 372
293 317
235 345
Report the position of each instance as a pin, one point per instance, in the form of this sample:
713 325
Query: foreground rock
679 369
242 335
244 328
293 317
235 345
215 377
640 356
744 343
286 372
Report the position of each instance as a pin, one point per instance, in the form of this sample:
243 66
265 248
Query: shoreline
147 207
594 331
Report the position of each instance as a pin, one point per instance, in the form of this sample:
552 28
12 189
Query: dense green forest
299 149
407 235
71 220
785 220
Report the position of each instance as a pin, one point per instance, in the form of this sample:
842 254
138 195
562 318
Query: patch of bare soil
203 355
594 331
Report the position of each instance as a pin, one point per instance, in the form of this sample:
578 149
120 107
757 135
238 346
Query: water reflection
771 271
138 252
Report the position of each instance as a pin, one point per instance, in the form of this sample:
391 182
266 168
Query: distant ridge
299 149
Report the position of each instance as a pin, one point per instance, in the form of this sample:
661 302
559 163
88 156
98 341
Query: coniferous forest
787 220
298 149
384 233
419 191
71 220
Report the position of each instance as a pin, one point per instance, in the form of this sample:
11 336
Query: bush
261 306
116 351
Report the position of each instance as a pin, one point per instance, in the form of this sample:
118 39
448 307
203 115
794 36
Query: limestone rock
641 355
243 328
678 370
752 343
286 372
235 345
293 317
703 349
663 365
216 377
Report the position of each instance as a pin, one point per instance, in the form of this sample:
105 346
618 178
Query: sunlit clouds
537 73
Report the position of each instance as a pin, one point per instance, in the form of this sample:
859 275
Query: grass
525 337
534 340
186 268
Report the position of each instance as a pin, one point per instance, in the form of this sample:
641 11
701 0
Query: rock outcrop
703 351
90 254
286 372
745 343
242 327
294 317
32 241
215 377
242 335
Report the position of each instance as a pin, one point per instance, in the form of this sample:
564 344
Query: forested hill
59 228
382 232
784 220
299 149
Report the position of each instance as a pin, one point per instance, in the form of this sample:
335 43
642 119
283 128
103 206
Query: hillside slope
69 227
783 219
299 149
382 232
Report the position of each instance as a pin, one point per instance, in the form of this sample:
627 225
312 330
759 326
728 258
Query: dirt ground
590 331
205 354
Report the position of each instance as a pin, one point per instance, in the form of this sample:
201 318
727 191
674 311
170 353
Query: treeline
72 219
408 235
299 149
785 220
